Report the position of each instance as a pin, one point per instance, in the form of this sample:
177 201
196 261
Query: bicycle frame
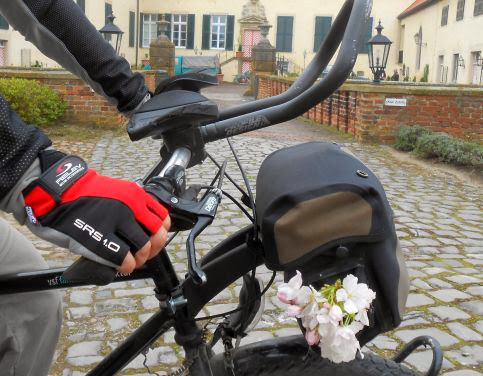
223 265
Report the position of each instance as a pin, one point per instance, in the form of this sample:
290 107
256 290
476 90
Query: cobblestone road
439 222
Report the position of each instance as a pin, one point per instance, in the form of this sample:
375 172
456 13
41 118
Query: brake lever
206 215
189 215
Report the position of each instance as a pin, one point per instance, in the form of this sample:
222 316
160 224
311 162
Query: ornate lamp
379 46
111 30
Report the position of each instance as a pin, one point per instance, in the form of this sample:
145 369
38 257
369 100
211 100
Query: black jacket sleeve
19 147
60 30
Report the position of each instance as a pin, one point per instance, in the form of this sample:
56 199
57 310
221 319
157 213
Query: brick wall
83 105
359 108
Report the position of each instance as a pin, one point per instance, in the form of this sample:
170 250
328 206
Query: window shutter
284 33
141 29
322 27
478 8
367 37
230 31
108 12
460 10
3 23
444 15
168 17
205 44
132 26
190 39
82 5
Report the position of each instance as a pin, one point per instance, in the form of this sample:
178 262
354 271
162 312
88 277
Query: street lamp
379 46
111 30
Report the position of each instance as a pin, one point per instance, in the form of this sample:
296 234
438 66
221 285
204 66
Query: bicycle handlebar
296 106
263 113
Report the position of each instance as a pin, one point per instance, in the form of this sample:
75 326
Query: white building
212 27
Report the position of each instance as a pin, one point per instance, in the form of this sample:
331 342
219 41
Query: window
460 10
82 5
150 29
218 32
444 15
132 28
179 28
3 23
322 27
455 67
367 37
400 58
284 33
478 7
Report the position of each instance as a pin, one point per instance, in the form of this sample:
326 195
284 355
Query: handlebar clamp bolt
174 200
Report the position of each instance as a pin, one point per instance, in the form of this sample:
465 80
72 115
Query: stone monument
253 11
162 50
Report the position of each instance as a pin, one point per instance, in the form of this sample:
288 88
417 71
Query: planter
220 77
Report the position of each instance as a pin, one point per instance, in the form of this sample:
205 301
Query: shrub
450 150
425 77
407 137
33 102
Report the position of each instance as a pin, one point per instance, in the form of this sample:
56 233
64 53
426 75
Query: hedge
34 103
439 145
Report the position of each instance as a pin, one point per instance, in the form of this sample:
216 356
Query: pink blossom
312 337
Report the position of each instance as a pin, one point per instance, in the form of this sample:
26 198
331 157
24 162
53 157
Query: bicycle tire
290 356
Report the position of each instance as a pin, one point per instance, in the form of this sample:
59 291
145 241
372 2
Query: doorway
251 37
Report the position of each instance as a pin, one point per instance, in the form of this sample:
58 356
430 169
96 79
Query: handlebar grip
86 271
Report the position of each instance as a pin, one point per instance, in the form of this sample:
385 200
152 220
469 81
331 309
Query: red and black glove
99 217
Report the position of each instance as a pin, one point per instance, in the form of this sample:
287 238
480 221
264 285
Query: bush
450 150
407 137
33 102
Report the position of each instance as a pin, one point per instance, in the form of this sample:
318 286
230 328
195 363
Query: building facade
222 27
444 37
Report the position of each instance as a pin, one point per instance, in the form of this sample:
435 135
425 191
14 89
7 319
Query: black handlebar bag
321 210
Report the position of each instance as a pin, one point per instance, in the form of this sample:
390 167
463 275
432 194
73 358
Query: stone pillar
162 50
264 57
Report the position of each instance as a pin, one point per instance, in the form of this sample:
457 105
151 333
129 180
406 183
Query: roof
416 7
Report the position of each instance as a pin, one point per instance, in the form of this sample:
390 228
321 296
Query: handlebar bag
312 199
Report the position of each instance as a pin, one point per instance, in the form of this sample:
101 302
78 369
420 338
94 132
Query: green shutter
230 31
82 5
205 44
132 27
3 23
190 39
284 33
367 37
141 29
168 17
107 12
322 27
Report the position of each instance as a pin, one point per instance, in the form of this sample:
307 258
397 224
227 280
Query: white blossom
356 296
287 292
325 323
341 347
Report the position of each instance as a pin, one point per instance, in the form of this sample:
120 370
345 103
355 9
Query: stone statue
253 9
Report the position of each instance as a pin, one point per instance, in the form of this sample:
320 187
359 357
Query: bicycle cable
223 315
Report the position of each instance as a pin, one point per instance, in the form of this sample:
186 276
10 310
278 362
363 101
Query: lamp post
111 30
379 46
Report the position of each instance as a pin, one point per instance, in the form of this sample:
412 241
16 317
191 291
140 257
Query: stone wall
360 108
83 105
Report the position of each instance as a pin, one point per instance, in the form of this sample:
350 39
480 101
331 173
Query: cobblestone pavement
439 223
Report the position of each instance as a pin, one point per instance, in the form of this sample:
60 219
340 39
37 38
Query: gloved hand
110 221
